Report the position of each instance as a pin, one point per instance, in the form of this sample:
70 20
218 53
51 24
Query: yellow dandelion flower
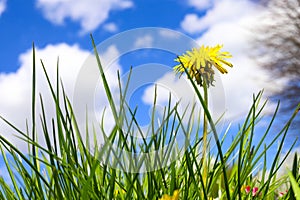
174 197
199 61
118 192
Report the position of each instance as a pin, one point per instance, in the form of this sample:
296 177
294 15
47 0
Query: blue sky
28 22
61 28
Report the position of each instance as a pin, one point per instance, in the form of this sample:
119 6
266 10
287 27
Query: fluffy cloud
2 6
89 13
200 5
143 41
222 11
110 27
15 88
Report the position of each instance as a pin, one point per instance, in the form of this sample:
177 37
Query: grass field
127 168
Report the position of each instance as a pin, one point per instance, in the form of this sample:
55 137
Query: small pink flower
254 191
247 189
281 194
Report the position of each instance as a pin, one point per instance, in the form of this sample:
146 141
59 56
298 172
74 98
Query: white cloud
89 13
192 24
222 11
2 6
166 33
15 88
110 27
200 5
144 41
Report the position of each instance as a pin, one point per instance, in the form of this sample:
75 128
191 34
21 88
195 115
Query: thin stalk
214 131
205 133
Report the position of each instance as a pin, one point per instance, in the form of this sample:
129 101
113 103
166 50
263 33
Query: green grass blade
295 185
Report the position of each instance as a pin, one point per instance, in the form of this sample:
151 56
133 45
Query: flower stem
205 144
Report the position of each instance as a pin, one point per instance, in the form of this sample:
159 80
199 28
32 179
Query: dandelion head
199 63
175 196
